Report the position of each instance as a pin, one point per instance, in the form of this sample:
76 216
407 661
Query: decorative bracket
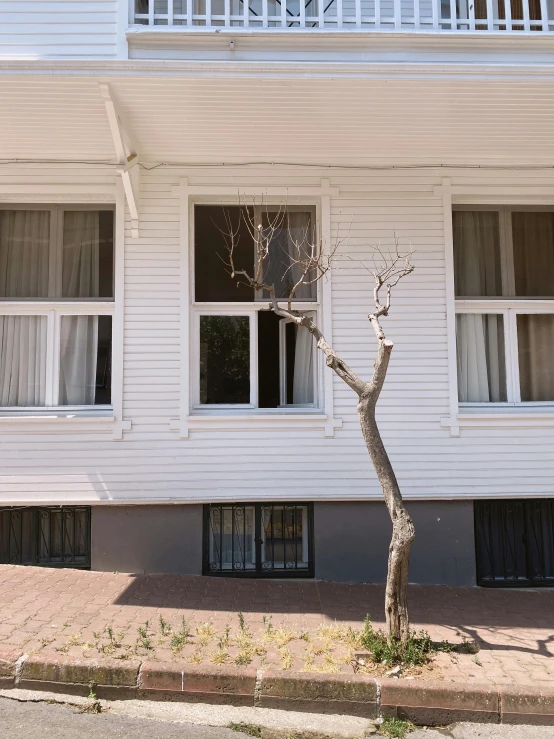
126 153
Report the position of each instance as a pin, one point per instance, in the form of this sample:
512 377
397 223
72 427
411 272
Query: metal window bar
277 537
514 542
46 536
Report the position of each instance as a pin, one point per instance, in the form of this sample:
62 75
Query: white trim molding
126 155
225 419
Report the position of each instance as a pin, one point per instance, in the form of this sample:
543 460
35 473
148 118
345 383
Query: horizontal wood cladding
151 462
63 29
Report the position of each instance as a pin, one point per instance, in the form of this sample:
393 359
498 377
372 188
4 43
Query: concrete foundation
351 541
147 539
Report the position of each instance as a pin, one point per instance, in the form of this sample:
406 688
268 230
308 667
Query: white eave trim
479 68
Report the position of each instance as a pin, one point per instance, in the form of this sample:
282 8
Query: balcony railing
493 16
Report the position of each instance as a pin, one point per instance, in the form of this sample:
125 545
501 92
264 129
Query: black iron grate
259 539
46 536
514 542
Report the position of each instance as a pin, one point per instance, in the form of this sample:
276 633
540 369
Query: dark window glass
224 359
268 360
103 394
290 245
213 281
533 244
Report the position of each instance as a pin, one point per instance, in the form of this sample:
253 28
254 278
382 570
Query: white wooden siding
40 29
151 463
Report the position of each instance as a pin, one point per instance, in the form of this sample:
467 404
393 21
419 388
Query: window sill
221 421
63 422
510 416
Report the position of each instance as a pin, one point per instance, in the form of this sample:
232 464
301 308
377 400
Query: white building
126 129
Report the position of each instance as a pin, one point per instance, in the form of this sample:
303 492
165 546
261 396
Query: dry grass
330 648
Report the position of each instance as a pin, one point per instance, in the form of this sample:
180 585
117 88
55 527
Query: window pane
284 537
476 254
85 360
23 360
535 338
480 358
269 358
87 254
231 532
212 277
224 359
291 243
24 253
533 237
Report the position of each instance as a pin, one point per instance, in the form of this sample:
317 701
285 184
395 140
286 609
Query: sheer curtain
303 378
280 270
79 334
24 256
479 338
533 244
535 338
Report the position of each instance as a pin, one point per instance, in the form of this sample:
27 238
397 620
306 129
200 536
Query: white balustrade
435 16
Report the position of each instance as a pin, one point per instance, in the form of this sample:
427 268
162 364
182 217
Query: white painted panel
64 29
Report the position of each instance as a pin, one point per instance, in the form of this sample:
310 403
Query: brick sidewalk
42 609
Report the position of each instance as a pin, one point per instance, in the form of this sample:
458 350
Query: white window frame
251 309
51 416
508 306
513 413
205 418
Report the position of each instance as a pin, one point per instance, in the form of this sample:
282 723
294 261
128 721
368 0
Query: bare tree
309 263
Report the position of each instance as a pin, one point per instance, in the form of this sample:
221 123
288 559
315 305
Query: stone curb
431 703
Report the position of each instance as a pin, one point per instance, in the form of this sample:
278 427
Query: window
46 536
504 285
268 539
56 306
514 542
246 356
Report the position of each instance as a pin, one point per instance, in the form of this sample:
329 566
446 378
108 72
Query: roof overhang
229 112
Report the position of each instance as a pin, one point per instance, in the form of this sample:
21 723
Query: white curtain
476 254
479 338
79 334
303 378
24 253
480 358
295 236
22 360
24 256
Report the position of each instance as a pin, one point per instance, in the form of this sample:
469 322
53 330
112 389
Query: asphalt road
57 721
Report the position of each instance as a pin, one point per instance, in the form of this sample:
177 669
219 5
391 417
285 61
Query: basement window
45 536
259 539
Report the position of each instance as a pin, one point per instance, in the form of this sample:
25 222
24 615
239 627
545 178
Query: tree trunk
403 533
